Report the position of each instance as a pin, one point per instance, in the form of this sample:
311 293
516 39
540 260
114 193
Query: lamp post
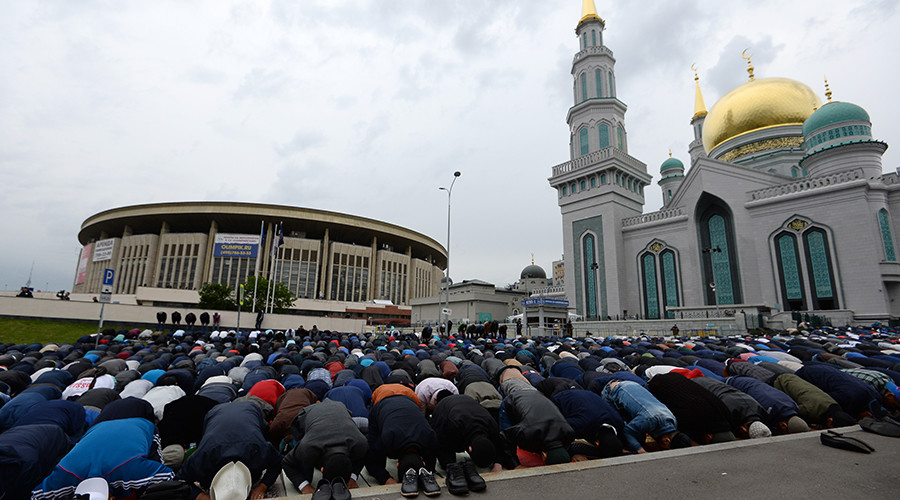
712 265
449 192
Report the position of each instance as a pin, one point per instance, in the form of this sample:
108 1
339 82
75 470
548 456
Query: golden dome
758 104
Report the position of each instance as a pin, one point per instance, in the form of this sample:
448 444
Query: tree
284 299
217 296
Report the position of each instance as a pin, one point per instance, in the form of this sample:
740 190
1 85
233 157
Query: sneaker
410 487
323 491
473 480
339 490
429 486
456 480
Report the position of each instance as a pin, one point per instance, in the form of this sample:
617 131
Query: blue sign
236 245
545 302
108 276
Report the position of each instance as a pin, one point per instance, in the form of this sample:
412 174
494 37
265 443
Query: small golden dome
758 104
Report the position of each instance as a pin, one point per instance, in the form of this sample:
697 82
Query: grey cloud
205 76
731 69
302 141
262 83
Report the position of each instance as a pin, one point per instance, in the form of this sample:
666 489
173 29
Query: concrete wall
52 308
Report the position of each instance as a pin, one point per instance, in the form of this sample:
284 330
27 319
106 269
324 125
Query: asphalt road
796 466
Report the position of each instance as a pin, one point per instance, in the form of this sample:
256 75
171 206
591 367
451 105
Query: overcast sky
367 107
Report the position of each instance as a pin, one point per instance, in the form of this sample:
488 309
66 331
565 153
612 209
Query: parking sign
108 276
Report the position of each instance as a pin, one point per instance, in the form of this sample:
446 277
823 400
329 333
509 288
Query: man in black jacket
233 432
327 438
533 422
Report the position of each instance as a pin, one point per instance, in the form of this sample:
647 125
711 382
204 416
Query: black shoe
473 480
429 486
410 487
456 480
323 491
339 490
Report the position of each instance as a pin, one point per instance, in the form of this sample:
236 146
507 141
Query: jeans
645 414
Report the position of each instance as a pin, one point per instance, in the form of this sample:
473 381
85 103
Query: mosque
784 206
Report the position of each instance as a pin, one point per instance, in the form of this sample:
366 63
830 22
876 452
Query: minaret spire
827 90
746 54
589 12
699 105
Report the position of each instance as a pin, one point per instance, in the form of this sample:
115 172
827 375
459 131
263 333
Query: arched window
603 135
818 260
583 185
884 222
598 81
593 181
718 252
590 276
669 275
610 90
563 190
617 178
583 141
791 275
584 40
794 172
602 178
651 292
620 138
572 188
584 93
670 193
593 38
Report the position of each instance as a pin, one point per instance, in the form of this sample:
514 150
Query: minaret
601 184
696 147
671 174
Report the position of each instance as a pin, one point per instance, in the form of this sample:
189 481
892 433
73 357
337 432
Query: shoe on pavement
323 491
429 486
410 487
339 490
456 480
474 481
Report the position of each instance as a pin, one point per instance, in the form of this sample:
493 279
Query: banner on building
103 249
82 264
236 245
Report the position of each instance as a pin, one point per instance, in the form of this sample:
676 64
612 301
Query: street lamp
449 192
712 284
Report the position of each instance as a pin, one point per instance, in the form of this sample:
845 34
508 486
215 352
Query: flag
276 245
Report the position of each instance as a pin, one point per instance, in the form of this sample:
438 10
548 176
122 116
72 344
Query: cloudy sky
367 107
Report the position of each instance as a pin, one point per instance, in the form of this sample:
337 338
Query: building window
609 90
788 258
669 192
563 190
598 79
718 256
584 92
591 266
602 178
818 259
583 141
794 172
584 40
887 239
572 188
651 292
583 186
670 281
593 38
603 135
593 181
620 138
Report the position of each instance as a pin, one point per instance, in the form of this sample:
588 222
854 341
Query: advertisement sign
236 245
82 264
103 249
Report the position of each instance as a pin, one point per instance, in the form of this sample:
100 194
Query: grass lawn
27 331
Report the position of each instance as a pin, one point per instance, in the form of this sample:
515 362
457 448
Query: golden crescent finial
827 89
694 69
746 54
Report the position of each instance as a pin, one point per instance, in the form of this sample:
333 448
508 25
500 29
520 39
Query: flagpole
269 276
262 227
275 266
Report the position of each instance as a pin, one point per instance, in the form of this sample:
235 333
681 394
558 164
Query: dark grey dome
533 271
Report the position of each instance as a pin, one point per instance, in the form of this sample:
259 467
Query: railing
593 50
595 157
807 184
548 291
891 178
652 217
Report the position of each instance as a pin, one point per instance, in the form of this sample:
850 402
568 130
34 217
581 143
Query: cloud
303 140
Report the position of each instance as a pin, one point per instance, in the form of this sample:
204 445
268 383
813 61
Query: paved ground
779 467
